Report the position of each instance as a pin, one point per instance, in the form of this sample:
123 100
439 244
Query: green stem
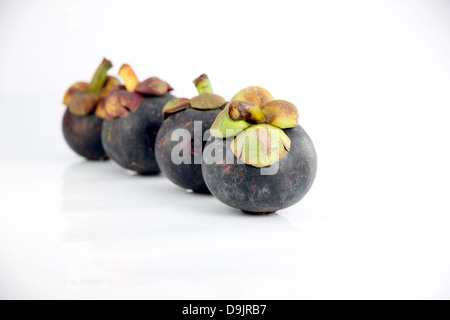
99 78
203 85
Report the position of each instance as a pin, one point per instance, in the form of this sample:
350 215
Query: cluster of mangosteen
249 152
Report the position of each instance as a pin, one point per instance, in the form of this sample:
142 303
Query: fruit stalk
99 78
203 84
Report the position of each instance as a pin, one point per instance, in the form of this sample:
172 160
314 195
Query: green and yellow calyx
224 126
257 120
84 98
206 99
261 145
241 110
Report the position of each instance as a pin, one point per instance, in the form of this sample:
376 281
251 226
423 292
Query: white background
371 80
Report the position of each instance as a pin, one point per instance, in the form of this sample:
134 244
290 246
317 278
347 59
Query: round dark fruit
130 141
194 117
133 118
83 118
260 160
83 135
243 186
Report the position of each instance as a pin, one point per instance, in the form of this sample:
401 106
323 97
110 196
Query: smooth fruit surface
187 176
130 141
243 187
83 135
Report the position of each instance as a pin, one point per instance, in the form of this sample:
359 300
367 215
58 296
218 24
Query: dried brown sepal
153 86
120 103
83 103
114 109
240 110
281 114
100 109
130 100
75 88
261 145
207 101
117 89
110 84
175 105
129 77
169 87
255 95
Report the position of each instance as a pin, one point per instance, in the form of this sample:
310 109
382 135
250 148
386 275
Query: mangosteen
259 159
133 117
188 120
83 118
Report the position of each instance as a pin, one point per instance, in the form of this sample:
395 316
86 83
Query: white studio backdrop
371 80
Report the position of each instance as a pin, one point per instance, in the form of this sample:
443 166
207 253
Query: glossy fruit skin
187 176
83 135
130 141
242 186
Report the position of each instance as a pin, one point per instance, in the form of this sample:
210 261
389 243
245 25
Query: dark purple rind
130 141
83 135
187 176
243 187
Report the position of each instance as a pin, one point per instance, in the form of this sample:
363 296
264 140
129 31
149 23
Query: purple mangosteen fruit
188 120
259 160
133 117
83 118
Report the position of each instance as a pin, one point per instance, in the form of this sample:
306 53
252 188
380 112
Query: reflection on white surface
145 232
90 230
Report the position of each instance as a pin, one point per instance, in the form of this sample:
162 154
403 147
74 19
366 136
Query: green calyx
255 95
281 114
240 110
254 105
261 145
100 76
262 119
224 126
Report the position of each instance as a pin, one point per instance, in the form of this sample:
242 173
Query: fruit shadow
206 206
120 199
138 229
